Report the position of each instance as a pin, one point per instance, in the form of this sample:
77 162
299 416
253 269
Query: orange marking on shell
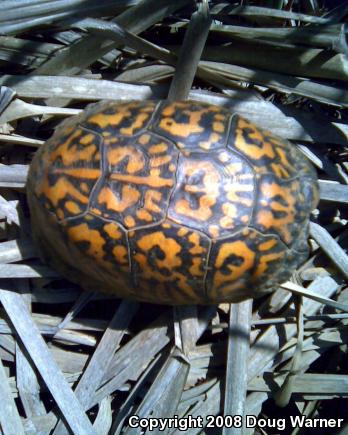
60 213
129 221
183 283
136 159
61 189
179 129
233 189
214 231
87 139
121 254
218 127
84 187
146 271
155 172
254 151
86 173
226 222
169 110
245 219
96 247
144 139
129 197
280 207
172 260
96 211
206 145
192 126
147 181
267 219
113 231
269 244
220 117
138 122
202 214
197 248
151 198
280 171
262 267
196 268
230 210
72 207
166 225
182 232
169 246
104 120
158 148
239 248
160 161
144 215
82 233
215 109
283 156
194 113
70 153
235 167
209 189
63 147
112 140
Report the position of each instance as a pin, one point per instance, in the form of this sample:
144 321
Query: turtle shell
170 202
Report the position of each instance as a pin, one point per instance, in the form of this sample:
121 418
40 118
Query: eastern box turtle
174 203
